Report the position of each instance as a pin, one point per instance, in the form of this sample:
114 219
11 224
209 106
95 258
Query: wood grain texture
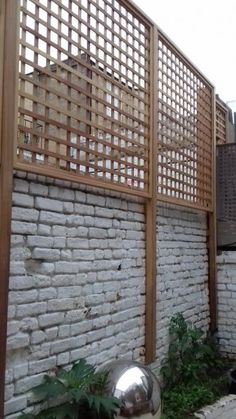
151 220
212 271
8 133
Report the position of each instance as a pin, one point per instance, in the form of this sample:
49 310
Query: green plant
192 372
191 354
76 394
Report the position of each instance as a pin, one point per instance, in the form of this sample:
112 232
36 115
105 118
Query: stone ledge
224 408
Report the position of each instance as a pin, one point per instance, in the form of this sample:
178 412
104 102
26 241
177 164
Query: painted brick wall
182 270
77 286
77 282
226 292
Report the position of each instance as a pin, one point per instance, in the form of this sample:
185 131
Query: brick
47 320
20 371
21 185
69 292
46 254
66 267
80 196
48 204
20 227
74 220
51 333
37 337
82 209
17 268
77 243
63 359
44 230
47 294
51 218
58 230
22 200
27 383
39 241
59 242
33 309
36 367
13 327
68 207
16 404
29 215
18 341
21 297
96 200
17 240
20 253
67 344
63 194
38 189
83 254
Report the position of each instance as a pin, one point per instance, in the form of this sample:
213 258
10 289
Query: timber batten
9 14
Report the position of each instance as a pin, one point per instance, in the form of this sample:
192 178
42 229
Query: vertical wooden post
8 15
212 272
151 207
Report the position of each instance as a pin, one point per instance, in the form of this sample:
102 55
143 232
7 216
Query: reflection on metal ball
137 387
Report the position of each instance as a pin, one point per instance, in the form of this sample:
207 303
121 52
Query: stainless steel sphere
137 387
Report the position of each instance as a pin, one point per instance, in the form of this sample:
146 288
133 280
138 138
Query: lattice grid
221 115
184 134
84 90
226 182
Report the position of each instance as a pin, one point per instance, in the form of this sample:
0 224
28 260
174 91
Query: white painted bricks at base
226 293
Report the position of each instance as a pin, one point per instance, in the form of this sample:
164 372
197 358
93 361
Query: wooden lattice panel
84 91
184 135
221 115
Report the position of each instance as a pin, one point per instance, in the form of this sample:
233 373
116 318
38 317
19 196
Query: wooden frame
8 132
211 217
221 123
150 213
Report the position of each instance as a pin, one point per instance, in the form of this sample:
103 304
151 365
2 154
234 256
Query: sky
205 30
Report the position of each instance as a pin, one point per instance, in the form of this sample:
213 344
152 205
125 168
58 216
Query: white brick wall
182 270
77 282
226 292
77 286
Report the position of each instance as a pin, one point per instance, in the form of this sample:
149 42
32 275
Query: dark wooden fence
226 195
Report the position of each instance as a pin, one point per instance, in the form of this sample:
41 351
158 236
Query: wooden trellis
85 102
221 123
184 135
84 92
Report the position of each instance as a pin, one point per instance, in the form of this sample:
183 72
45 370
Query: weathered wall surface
226 292
77 282
182 270
77 286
